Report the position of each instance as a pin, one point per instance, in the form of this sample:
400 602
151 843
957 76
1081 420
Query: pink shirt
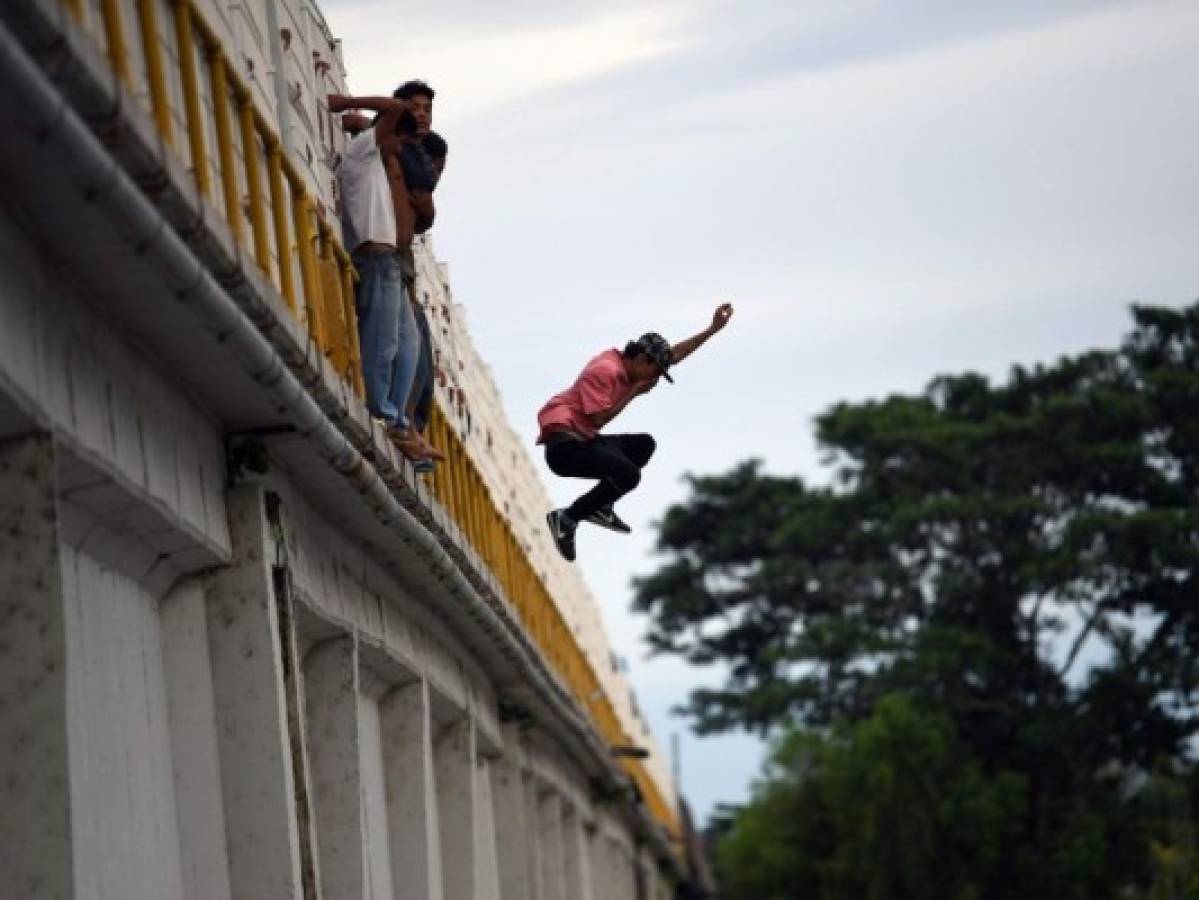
601 385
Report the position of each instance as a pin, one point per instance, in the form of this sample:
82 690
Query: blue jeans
387 336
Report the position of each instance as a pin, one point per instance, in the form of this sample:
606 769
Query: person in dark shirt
420 401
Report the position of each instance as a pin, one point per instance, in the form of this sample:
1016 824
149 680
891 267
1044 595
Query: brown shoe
409 446
430 451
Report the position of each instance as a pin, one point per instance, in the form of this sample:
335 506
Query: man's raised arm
389 109
683 349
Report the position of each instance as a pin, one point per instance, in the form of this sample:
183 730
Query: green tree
1020 559
887 809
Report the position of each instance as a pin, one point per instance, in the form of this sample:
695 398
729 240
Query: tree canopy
1000 580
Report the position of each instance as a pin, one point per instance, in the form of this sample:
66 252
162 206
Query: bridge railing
168 55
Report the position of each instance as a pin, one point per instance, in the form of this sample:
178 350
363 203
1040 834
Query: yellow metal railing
246 147
249 157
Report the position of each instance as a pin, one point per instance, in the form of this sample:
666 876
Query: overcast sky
885 190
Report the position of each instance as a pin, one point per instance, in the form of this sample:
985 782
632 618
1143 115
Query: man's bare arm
339 103
389 109
683 349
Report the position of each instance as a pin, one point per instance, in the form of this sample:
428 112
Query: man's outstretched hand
721 317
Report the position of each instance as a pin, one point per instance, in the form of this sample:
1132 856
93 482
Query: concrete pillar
454 761
575 853
334 758
203 856
257 778
549 815
601 875
649 877
616 873
515 837
623 872
487 875
412 814
536 848
35 820
376 838
641 879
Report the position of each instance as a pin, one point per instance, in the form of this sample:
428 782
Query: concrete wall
241 735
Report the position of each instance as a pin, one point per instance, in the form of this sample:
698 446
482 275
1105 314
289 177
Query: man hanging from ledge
570 423
380 217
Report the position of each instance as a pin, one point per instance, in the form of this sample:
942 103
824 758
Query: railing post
328 281
160 103
472 503
302 212
476 512
249 149
279 207
439 440
350 313
460 484
219 85
480 514
114 37
191 95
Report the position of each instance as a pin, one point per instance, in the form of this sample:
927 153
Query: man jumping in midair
571 421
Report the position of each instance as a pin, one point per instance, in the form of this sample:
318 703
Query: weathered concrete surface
194 747
257 779
517 856
35 783
413 818
335 756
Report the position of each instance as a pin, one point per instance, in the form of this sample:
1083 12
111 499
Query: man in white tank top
377 220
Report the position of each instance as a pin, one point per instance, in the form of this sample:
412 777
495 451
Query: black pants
615 459
422 385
